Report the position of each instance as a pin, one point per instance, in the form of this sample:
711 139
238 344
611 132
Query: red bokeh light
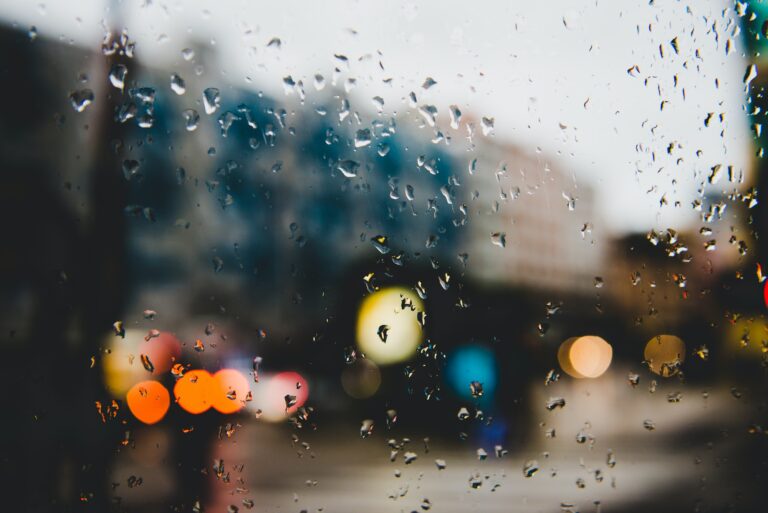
163 351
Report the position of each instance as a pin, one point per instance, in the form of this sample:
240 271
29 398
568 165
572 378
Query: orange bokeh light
195 391
230 388
148 401
585 357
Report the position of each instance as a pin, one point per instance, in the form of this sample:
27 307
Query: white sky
529 65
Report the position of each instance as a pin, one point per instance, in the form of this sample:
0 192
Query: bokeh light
361 379
747 337
195 391
230 390
388 330
664 354
585 357
563 358
765 293
471 363
121 363
148 401
163 351
270 395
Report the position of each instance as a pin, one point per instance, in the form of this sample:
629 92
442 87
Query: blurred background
406 257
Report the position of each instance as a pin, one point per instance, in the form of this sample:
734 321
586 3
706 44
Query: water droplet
499 239
455 114
211 100
225 122
187 54
363 138
551 377
582 437
530 468
555 402
147 363
178 85
381 243
81 99
750 74
319 82
145 121
378 102
144 95
429 113
366 428
289 84
117 76
131 169
348 168
675 44
191 118
343 109
472 167
487 124
715 173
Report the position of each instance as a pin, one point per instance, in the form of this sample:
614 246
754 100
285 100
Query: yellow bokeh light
121 363
585 357
747 337
388 329
664 354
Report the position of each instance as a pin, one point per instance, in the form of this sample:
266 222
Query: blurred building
664 279
530 223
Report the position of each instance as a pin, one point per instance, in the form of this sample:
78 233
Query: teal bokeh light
472 363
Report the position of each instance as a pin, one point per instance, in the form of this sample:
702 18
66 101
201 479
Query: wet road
689 460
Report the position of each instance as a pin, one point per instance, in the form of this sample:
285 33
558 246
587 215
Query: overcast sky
552 74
